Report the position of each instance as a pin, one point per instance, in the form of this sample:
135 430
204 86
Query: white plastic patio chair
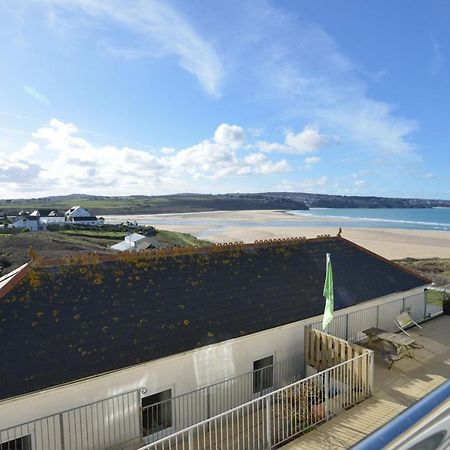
404 320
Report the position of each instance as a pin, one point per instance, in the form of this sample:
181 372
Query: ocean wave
373 219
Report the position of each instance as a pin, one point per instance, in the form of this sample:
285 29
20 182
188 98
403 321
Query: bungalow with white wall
50 217
110 351
28 222
133 242
37 220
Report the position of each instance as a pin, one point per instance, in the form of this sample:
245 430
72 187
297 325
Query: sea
404 218
436 219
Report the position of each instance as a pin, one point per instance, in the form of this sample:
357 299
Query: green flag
328 294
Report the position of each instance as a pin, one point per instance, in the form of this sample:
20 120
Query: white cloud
306 141
219 158
58 159
167 150
165 30
311 161
18 169
231 135
38 96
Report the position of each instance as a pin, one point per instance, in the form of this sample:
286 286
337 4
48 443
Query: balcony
396 389
343 378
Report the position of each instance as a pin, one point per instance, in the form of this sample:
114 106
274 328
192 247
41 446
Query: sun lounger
404 320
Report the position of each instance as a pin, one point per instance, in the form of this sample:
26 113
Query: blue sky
339 97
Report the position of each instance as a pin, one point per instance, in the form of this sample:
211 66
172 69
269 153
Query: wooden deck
395 390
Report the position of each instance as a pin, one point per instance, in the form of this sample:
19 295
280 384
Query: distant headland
179 203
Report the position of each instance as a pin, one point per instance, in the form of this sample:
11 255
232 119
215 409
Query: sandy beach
248 226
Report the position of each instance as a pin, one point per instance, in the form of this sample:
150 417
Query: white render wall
58 220
182 373
23 222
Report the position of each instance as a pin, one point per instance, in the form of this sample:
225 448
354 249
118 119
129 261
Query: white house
51 217
133 242
38 219
80 216
85 346
26 221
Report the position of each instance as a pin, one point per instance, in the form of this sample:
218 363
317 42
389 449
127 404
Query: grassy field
140 204
180 239
437 269
110 235
14 248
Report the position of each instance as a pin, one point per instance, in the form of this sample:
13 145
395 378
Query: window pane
22 443
157 412
262 374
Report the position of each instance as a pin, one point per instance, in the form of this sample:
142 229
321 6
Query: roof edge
15 277
388 261
154 254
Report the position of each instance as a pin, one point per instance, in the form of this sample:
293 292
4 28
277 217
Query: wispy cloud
437 58
15 115
13 131
165 32
302 68
38 96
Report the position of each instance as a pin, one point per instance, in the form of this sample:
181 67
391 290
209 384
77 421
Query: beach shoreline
236 226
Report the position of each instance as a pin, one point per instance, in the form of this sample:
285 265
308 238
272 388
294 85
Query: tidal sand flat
248 226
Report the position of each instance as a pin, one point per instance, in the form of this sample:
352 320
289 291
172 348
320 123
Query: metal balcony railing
277 417
99 425
349 326
170 415
121 419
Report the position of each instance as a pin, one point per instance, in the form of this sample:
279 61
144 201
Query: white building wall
183 372
92 223
52 220
32 225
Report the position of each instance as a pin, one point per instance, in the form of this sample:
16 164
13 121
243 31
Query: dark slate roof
81 218
63 322
31 218
48 212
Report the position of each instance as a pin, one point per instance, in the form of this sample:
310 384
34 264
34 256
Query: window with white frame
157 412
262 374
